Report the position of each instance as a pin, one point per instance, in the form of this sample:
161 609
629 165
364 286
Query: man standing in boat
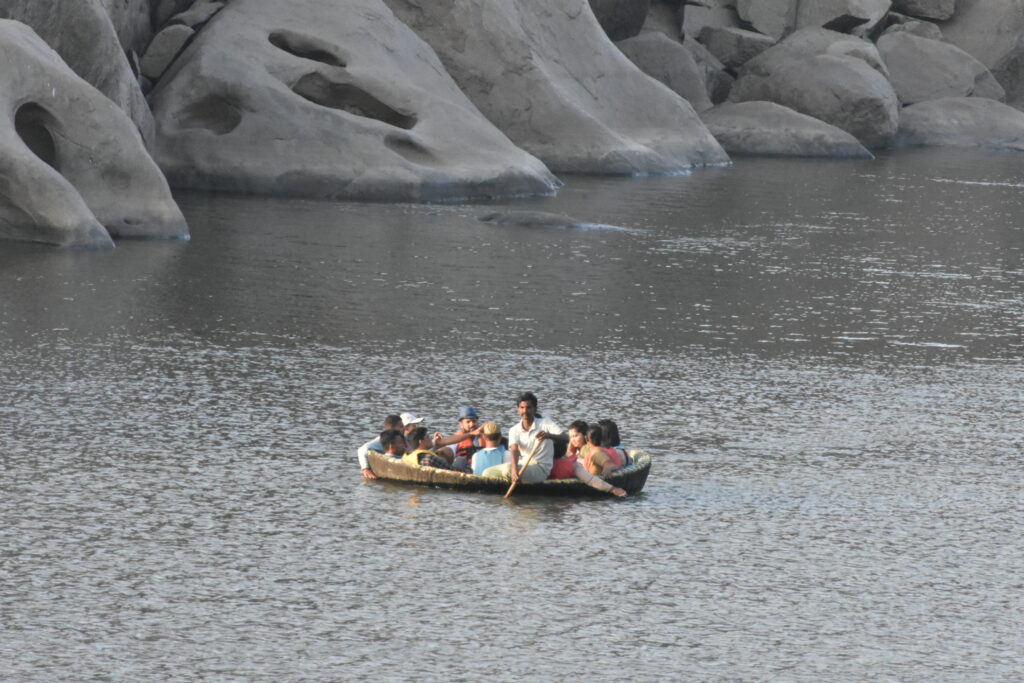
530 443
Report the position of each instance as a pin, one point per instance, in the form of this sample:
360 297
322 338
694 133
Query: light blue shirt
488 457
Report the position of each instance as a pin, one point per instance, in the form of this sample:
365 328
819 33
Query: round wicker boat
631 478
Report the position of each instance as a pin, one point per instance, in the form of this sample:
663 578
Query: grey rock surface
621 19
963 122
668 61
717 81
665 17
901 23
734 47
546 74
198 14
926 9
698 16
923 69
858 17
838 79
769 129
132 20
991 31
166 46
163 10
774 18
73 169
323 99
83 35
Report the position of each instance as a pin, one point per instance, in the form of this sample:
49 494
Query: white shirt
518 436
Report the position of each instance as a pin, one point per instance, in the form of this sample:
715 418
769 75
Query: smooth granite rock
621 19
165 48
899 23
699 15
991 31
838 79
316 98
132 20
717 80
665 16
769 129
734 47
668 61
939 10
73 169
774 18
962 122
546 74
923 69
196 16
83 35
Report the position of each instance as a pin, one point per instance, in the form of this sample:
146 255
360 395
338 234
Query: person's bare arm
595 481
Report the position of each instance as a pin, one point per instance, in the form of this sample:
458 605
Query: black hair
611 433
528 397
417 435
389 437
393 422
595 435
580 426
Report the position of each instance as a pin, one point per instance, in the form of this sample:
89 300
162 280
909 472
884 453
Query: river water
823 358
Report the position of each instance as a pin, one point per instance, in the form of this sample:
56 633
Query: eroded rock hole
213 113
349 98
32 123
306 47
410 150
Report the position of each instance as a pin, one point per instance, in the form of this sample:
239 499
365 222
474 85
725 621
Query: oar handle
522 469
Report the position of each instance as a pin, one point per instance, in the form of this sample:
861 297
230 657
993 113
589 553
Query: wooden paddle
526 462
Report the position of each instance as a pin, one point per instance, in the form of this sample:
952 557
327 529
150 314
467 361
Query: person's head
410 421
526 405
468 418
392 441
491 434
595 435
611 433
578 433
417 438
393 422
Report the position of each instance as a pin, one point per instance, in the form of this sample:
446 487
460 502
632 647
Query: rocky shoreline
111 103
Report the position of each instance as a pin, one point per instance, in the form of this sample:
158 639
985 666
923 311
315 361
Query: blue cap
467 411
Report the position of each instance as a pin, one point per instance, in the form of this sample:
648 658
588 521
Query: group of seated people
588 452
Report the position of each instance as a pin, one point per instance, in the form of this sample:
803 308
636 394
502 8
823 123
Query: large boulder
734 46
665 16
668 61
621 19
769 129
963 122
545 73
775 18
73 169
899 23
133 22
83 35
991 31
829 76
923 69
316 98
700 14
717 81
939 10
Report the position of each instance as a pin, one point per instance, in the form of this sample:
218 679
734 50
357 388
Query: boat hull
631 478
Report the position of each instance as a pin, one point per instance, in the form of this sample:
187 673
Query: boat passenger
464 441
612 440
596 458
393 443
390 422
531 441
569 466
421 453
493 453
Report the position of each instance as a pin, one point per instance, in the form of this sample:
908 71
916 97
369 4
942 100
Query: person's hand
542 435
438 436
368 474
621 493
513 473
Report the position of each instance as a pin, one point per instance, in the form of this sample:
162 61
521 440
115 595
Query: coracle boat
631 478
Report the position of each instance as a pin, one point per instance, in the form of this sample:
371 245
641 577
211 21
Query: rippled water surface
824 360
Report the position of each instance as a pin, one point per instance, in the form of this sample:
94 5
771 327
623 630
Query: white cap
410 419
